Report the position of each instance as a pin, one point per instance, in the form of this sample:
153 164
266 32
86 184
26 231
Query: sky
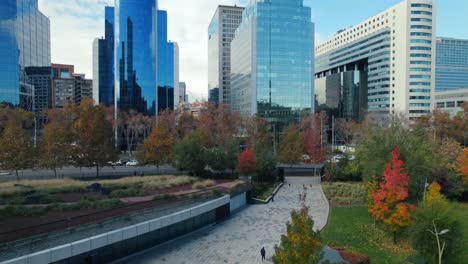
75 23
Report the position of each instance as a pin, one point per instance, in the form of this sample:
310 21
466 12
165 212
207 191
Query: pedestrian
300 197
134 173
272 197
142 174
262 252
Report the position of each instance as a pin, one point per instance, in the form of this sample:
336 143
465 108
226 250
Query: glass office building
272 61
24 42
451 64
221 31
136 55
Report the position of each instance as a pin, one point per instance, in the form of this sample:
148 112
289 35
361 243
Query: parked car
132 163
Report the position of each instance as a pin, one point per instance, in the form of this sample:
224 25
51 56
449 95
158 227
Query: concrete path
240 238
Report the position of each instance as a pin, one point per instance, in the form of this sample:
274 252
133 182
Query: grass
70 185
203 184
264 190
462 209
345 193
353 227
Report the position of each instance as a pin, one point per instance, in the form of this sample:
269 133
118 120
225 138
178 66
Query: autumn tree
224 155
93 146
55 147
389 201
291 145
461 165
158 148
16 149
301 244
311 133
246 162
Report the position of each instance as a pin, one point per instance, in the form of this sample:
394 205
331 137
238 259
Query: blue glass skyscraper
136 55
165 65
24 42
451 64
272 60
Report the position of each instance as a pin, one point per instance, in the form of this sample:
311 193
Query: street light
437 234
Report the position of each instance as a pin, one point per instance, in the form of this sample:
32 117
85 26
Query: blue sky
83 20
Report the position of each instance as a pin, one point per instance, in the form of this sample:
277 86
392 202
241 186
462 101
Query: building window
451 104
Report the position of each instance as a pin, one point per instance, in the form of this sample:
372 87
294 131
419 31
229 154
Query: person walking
262 252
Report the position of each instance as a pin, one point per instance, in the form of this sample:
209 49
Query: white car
132 163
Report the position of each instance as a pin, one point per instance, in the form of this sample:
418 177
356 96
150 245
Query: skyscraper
136 55
40 78
394 54
24 42
62 85
220 34
451 64
272 61
103 62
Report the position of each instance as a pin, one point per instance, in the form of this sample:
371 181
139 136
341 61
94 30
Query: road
240 238
73 172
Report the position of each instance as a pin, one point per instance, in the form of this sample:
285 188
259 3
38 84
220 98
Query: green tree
291 146
190 155
224 156
435 210
373 151
16 149
301 244
266 162
55 147
93 146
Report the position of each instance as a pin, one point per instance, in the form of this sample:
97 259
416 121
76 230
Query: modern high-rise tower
24 42
272 59
220 34
451 64
136 56
390 55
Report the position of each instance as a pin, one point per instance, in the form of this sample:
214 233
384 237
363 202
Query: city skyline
188 27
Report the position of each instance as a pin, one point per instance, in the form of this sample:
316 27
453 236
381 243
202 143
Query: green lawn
353 227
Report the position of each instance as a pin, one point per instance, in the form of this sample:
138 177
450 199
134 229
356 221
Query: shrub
131 192
203 184
444 217
20 210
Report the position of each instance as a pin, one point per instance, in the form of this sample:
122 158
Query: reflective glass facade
272 60
24 42
166 51
136 55
451 64
221 31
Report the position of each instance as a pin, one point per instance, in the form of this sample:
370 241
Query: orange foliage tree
246 162
314 146
461 165
388 205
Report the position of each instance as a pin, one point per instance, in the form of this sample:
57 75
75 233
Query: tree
246 162
190 155
93 146
158 148
224 156
389 206
434 210
373 152
311 132
461 165
266 163
301 244
55 147
15 148
291 145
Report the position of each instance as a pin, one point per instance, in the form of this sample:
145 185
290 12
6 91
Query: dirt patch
352 257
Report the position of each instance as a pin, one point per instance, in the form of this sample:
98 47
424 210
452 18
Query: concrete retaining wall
132 239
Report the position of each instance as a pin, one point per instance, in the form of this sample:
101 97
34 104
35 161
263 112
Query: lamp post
437 234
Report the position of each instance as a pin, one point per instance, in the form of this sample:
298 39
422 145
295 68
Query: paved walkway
240 238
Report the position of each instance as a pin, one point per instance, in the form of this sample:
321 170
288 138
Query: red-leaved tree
389 206
314 146
246 162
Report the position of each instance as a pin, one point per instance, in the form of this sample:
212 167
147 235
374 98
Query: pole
333 133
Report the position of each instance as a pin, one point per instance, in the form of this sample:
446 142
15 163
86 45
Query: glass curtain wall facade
24 42
135 61
166 51
272 61
221 31
451 64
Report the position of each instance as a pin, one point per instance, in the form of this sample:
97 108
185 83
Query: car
132 163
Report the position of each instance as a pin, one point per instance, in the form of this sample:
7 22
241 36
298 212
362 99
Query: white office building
394 51
451 101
